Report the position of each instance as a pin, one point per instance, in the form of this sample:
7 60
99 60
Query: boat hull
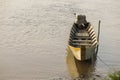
82 41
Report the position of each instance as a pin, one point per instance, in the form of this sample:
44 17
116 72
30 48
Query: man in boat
81 22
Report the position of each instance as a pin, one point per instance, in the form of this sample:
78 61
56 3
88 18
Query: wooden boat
83 41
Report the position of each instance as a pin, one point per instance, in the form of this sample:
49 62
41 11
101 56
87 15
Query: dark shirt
82 26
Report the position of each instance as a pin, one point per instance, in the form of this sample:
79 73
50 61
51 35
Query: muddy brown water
34 35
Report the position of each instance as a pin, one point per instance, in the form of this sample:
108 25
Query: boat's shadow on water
80 70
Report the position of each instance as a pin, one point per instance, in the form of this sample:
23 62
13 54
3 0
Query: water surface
34 35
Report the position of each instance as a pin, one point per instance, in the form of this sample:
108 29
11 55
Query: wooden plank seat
82 34
82 44
83 41
82 37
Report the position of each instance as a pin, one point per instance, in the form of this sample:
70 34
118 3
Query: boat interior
82 35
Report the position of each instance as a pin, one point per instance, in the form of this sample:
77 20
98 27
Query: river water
34 36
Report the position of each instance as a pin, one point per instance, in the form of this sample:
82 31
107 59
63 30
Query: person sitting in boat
81 22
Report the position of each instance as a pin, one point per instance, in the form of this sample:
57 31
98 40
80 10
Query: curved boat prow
76 52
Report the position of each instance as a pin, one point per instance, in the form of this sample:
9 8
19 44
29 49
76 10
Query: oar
98 36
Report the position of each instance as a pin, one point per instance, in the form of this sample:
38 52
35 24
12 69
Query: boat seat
82 37
82 34
82 44
83 41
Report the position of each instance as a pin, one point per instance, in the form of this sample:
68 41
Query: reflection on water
79 69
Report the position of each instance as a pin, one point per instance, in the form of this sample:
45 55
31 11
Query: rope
103 62
108 66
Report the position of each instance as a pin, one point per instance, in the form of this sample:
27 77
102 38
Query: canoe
82 41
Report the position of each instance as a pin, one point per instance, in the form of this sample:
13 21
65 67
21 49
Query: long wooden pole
98 30
98 36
